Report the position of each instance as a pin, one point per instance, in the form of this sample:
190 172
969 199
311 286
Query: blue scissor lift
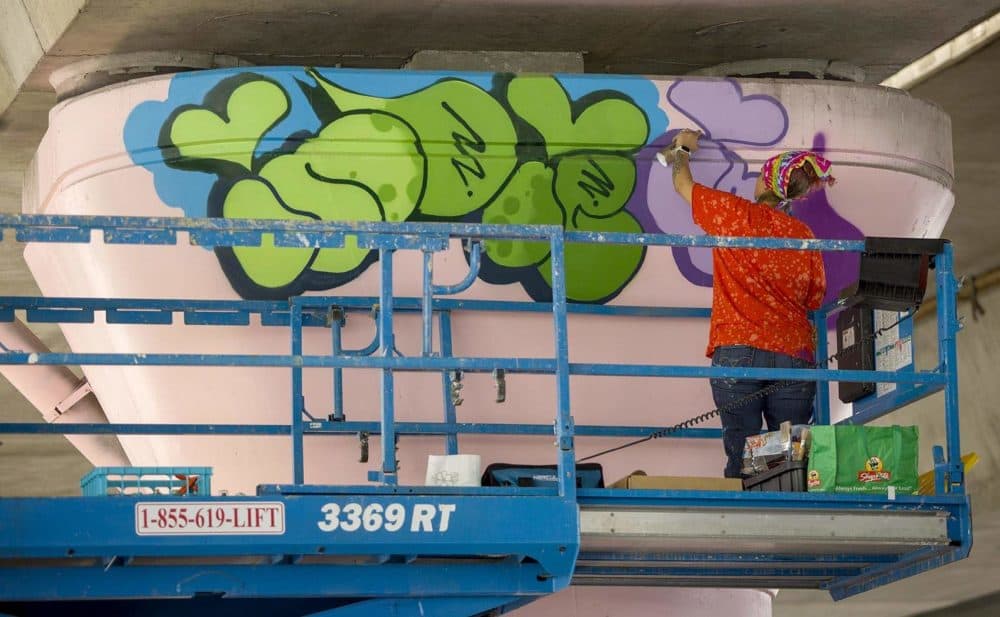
301 549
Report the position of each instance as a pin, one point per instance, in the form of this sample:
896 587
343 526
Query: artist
761 298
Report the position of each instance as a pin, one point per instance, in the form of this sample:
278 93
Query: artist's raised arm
677 155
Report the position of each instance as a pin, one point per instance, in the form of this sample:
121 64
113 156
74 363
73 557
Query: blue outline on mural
491 147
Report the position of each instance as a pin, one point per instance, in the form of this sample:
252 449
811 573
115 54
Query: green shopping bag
863 459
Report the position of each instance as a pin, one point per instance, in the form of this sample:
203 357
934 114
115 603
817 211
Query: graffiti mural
523 151
317 144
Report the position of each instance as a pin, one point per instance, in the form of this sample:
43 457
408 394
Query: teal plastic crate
139 481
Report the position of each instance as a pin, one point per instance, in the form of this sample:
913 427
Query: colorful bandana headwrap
777 170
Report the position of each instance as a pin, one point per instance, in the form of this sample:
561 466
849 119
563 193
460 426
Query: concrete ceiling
616 36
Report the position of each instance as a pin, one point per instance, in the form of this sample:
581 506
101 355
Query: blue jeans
793 402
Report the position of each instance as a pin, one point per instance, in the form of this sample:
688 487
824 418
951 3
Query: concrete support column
59 396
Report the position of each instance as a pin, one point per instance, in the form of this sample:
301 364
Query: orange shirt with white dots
760 297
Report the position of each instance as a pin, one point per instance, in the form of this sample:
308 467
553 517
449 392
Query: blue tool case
588 475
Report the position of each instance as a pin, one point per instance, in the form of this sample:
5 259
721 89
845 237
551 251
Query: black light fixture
893 273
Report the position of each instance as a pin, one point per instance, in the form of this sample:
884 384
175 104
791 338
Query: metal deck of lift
412 550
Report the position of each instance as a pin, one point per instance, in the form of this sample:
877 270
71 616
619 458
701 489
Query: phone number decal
206 518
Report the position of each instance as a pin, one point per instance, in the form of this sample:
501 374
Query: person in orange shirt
761 298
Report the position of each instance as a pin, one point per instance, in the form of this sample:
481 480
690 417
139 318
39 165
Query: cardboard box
678 483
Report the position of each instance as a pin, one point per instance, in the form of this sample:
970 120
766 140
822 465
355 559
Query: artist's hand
688 139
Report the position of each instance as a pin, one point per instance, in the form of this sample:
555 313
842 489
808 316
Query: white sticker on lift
892 352
847 338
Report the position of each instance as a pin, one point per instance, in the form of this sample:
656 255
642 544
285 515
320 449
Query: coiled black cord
728 408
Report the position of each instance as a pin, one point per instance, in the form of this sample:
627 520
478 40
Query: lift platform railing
843 543
381 355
